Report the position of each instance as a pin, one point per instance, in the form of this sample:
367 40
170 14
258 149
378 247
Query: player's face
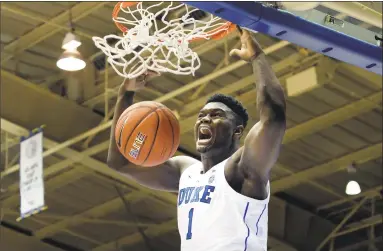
214 128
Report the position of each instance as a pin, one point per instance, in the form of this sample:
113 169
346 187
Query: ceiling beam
319 123
224 61
38 17
334 117
365 223
361 244
370 192
95 212
83 219
9 142
46 30
240 84
217 74
130 240
341 224
279 245
359 157
44 223
318 185
187 123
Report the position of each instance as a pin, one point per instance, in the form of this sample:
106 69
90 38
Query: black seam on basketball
171 125
123 124
154 139
122 128
137 124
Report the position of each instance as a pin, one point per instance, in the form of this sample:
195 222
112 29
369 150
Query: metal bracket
338 25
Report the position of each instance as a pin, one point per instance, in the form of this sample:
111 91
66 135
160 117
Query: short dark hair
233 104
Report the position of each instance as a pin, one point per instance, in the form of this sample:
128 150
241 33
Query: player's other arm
164 177
263 142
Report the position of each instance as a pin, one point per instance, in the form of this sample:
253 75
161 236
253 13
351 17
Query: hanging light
352 187
71 59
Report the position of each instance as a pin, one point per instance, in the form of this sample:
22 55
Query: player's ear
238 132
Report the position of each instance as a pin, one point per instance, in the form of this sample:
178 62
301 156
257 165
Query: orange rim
230 26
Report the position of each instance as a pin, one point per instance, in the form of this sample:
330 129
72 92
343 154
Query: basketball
147 133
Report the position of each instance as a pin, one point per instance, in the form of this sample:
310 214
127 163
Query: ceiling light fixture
352 187
71 59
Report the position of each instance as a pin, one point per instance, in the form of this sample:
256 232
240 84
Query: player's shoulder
184 162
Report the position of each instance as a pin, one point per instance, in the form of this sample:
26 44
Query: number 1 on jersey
190 224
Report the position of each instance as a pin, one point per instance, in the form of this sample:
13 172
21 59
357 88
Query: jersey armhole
187 169
239 195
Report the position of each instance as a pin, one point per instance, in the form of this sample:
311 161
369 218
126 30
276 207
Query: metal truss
365 223
46 30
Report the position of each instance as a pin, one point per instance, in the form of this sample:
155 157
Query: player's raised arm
125 97
262 144
162 177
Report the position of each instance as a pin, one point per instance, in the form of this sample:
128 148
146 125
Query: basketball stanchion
31 174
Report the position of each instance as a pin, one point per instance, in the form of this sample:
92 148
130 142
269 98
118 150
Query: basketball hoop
157 38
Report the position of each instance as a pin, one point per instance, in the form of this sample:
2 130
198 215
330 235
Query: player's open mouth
205 135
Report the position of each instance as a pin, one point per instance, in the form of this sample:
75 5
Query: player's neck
211 159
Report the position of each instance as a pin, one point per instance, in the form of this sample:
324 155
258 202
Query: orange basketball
147 133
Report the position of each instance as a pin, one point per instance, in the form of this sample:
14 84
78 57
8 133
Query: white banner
31 175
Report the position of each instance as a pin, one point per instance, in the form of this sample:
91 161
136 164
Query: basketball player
222 199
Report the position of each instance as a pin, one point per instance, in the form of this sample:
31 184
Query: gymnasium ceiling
93 208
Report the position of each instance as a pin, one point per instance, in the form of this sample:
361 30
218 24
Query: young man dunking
222 199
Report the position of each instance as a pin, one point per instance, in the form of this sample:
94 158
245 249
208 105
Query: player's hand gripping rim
140 82
250 49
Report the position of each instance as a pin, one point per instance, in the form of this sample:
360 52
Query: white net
158 40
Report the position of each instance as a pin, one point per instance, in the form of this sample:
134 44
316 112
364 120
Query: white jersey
214 217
